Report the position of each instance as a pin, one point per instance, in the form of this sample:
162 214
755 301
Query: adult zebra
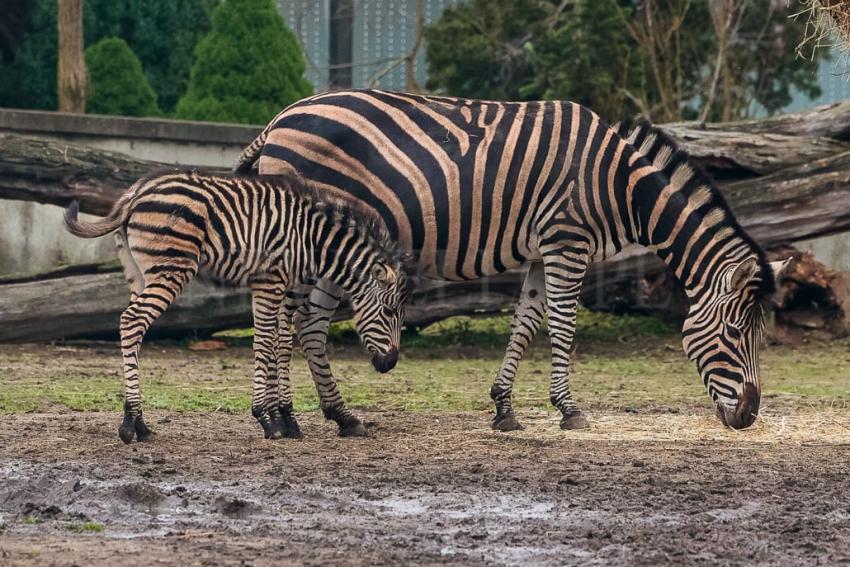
271 234
474 188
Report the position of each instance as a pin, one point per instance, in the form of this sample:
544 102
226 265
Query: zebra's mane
673 162
346 213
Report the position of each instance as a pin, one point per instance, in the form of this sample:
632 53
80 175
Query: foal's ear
383 274
743 273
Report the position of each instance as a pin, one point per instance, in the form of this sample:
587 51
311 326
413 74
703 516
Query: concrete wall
32 237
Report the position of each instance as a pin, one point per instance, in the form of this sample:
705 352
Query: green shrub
117 83
247 68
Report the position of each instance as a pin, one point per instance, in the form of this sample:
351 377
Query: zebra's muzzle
745 411
384 362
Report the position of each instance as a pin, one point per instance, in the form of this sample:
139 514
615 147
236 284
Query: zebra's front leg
525 323
267 298
564 273
312 324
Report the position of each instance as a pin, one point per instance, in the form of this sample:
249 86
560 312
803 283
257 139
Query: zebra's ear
383 274
743 273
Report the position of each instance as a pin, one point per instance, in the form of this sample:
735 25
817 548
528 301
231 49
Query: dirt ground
426 488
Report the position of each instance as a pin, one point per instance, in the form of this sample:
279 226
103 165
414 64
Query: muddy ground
426 488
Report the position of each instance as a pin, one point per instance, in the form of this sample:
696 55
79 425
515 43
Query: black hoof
270 424
290 427
353 428
126 433
505 422
575 420
143 432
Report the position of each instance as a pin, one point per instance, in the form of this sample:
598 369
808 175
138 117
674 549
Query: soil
425 488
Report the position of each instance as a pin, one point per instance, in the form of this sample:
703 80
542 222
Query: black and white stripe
474 188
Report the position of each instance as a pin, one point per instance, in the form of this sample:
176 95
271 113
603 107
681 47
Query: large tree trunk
71 70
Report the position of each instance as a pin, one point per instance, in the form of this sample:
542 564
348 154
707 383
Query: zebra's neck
342 250
678 213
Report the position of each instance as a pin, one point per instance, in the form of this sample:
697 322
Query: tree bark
71 69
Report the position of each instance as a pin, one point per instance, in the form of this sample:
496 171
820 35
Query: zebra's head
722 335
379 312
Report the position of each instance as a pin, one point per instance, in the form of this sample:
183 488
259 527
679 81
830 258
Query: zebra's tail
251 154
110 223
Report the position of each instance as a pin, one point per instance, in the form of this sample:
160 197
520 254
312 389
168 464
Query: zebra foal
268 233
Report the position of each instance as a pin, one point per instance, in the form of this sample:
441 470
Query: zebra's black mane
344 212
662 150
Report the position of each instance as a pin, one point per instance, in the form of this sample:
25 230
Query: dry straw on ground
823 426
827 26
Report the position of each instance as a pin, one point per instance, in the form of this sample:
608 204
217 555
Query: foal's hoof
126 433
575 421
143 432
353 428
505 422
290 428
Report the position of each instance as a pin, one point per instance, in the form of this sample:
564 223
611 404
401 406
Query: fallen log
86 301
827 121
735 154
52 172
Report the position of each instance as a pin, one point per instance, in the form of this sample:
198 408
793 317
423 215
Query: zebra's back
457 181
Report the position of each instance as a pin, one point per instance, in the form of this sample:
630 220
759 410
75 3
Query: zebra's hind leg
158 293
525 323
312 324
564 272
279 393
267 298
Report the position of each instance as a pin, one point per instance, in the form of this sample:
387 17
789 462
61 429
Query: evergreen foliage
162 34
117 84
247 68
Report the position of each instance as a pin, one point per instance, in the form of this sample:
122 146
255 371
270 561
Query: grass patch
488 331
87 527
634 362
29 520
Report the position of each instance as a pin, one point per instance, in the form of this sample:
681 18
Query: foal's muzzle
384 362
745 411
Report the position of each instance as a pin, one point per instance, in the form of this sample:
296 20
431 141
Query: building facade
361 43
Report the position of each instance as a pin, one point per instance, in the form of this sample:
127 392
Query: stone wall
32 237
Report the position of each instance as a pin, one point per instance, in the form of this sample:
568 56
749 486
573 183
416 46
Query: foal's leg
525 323
279 391
161 289
564 272
267 297
312 324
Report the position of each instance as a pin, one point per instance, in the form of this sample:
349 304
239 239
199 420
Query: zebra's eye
387 311
733 333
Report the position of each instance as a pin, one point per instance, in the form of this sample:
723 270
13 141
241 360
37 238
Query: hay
827 26
822 426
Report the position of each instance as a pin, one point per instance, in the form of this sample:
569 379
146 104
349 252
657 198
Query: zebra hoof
143 432
353 428
126 433
505 422
575 420
291 430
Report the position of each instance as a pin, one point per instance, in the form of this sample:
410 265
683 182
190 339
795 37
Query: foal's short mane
663 152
